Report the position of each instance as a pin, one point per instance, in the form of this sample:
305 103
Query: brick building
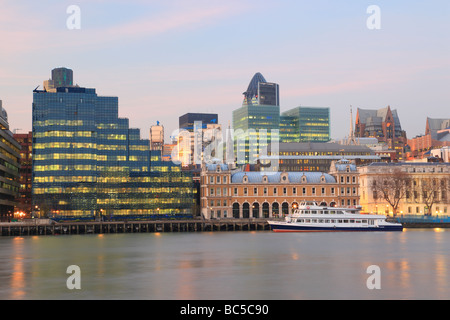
228 193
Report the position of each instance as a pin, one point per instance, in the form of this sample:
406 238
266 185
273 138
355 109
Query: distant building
442 154
383 124
314 157
261 93
187 121
9 168
257 122
24 199
197 134
157 137
305 124
437 135
61 77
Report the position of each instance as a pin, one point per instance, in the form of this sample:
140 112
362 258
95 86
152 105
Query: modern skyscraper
305 124
261 92
88 162
61 77
9 168
256 124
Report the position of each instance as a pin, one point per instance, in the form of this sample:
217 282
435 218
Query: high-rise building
305 124
61 77
256 124
260 92
9 168
88 162
24 199
198 133
157 137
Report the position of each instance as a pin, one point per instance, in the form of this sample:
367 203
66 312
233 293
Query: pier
74 228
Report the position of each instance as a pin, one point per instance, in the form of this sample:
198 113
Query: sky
167 58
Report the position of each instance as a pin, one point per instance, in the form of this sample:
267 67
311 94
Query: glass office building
256 124
88 162
305 124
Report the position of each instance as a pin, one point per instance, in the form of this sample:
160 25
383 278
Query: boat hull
305 228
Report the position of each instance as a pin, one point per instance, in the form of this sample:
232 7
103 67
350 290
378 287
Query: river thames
259 265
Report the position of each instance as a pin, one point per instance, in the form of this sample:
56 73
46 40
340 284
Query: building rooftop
293 177
321 147
413 163
252 89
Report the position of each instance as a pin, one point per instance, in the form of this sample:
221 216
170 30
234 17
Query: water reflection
18 271
235 265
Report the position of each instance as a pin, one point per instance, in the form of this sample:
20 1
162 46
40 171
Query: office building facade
305 124
257 123
88 162
9 168
24 199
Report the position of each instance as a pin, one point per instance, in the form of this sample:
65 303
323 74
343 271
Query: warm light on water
237 265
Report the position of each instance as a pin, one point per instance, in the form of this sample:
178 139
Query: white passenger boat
310 217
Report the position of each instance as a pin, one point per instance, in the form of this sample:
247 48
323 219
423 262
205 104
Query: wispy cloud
22 30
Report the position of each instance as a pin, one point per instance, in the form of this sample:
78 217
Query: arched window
246 210
236 210
255 210
285 208
275 209
265 210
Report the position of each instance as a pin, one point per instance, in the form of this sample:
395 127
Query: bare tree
432 190
391 188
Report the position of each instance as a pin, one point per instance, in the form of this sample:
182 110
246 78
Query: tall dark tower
261 92
62 77
259 114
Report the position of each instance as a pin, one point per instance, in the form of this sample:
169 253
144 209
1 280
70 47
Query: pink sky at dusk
164 59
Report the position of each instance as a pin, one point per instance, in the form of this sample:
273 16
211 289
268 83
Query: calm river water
414 264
